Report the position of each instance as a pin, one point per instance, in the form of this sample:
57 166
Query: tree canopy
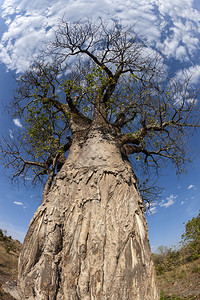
102 74
191 236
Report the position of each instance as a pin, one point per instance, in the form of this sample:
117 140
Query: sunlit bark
89 239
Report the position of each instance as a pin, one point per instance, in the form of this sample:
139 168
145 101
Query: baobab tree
96 97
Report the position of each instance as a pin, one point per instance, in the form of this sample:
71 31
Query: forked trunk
89 238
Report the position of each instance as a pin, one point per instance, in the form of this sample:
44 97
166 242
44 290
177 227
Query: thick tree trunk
89 238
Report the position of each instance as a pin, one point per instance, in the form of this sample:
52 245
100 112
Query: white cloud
170 201
17 123
181 21
193 72
182 202
182 8
30 23
153 210
182 40
18 203
191 186
11 134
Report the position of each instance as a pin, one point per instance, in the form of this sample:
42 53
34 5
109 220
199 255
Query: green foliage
191 237
166 259
42 129
92 70
44 124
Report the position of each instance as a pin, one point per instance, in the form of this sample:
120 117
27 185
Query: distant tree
191 237
160 259
96 97
166 259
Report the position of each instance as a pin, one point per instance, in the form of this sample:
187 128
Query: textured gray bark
11 288
89 238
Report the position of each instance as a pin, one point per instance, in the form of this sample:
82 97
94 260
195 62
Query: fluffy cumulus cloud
193 72
181 20
17 123
169 202
172 26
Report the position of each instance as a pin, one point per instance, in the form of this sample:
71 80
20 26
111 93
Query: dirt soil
183 281
9 253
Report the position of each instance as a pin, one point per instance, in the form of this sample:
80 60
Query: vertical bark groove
92 232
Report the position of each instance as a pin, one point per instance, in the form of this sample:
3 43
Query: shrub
191 237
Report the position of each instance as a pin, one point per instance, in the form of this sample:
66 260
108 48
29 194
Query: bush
191 238
166 259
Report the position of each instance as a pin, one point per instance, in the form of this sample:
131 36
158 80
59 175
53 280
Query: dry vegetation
182 282
178 271
9 253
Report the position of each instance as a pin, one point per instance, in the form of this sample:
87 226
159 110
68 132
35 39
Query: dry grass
183 281
9 253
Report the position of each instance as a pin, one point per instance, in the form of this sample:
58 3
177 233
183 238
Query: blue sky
172 27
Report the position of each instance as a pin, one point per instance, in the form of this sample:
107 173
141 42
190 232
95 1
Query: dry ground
183 281
9 253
